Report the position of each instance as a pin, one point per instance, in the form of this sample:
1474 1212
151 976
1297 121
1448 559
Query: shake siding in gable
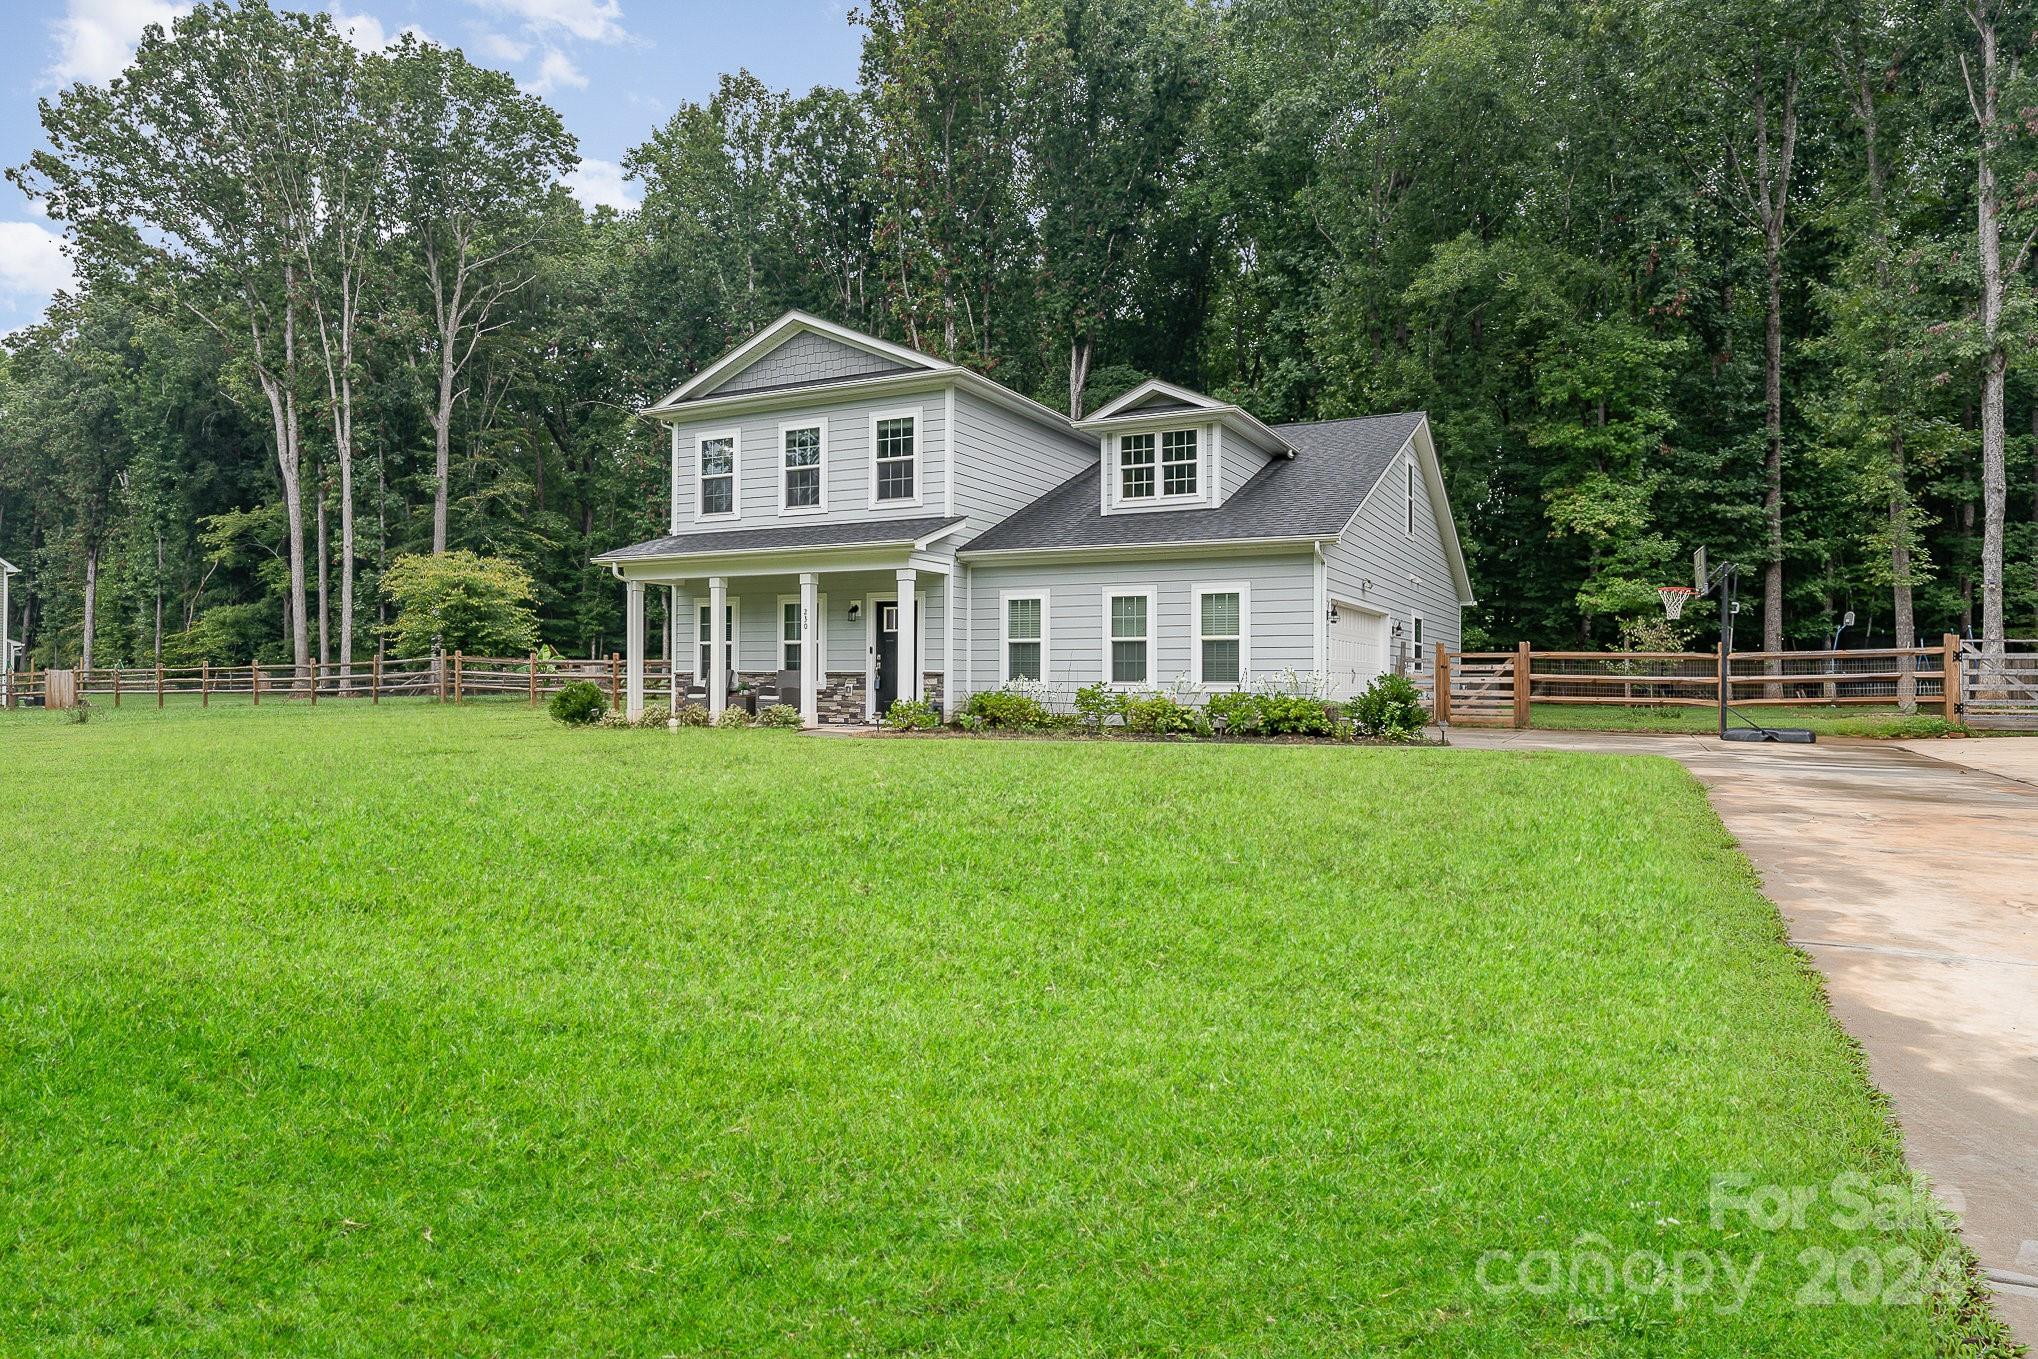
1371 564
1281 617
1005 462
807 358
847 463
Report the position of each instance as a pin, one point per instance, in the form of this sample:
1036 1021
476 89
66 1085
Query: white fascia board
1201 547
1241 422
883 385
1153 387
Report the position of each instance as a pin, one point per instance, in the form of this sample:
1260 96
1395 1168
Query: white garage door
1358 649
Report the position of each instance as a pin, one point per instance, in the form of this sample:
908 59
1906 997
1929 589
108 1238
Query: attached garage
1358 647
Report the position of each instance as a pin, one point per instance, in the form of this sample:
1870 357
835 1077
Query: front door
887 654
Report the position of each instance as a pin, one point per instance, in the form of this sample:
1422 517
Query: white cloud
556 71
590 20
600 183
96 37
367 33
499 47
32 263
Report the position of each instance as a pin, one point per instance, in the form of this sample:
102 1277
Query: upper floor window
716 469
895 467
1408 481
802 471
1163 466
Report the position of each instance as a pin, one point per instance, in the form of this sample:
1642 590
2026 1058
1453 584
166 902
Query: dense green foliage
1004 710
1663 273
1390 709
471 1054
577 704
457 601
912 714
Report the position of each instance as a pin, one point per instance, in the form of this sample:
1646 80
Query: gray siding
1005 462
847 465
1371 564
807 357
1240 463
1281 616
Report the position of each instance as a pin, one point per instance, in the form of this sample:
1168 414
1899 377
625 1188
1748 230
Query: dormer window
1159 466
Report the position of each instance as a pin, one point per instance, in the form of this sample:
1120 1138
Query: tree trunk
325 649
283 407
1772 462
1080 352
159 592
442 446
91 606
1900 584
1996 357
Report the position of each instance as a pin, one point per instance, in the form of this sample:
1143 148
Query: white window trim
1409 481
1005 598
735 606
820 632
786 427
913 413
1114 485
1245 633
735 438
1416 642
1111 592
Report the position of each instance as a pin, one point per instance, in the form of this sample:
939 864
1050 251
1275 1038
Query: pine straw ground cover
452 1031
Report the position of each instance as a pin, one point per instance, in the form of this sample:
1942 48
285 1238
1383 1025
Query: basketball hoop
1674 597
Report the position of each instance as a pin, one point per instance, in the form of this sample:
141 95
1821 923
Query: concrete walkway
1910 873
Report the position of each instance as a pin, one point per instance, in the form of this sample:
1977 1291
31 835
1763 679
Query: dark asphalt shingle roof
1312 495
853 533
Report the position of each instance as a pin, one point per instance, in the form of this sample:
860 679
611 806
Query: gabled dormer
1163 447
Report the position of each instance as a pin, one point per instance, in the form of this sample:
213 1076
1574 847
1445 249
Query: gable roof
891 358
1154 404
1313 495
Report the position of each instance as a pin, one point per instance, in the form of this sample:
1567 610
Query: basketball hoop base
1788 736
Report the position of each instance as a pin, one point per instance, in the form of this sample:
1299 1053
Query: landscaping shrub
1005 710
781 715
1390 709
1237 713
1097 704
578 703
691 715
1293 715
1163 715
912 714
733 718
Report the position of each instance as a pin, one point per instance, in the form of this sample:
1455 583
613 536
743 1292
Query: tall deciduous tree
472 160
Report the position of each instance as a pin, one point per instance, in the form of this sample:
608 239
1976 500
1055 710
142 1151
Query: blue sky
614 69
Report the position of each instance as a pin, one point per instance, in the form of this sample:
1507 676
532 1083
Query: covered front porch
839 633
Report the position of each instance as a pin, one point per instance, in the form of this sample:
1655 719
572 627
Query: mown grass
449 1031
1865 721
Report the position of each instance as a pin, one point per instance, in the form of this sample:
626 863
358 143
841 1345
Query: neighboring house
886 524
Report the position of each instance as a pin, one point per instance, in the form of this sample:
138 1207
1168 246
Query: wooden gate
2000 691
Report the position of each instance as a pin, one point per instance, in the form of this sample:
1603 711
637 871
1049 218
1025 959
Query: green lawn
445 1031
1862 720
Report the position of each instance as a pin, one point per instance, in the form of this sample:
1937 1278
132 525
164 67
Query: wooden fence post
375 680
1949 666
116 686
457 661
205 684
255 681
532 664
1442 678
159 686
615 684
439 673
314 683
1521 685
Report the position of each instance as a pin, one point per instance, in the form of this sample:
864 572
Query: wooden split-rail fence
449 678
1499 688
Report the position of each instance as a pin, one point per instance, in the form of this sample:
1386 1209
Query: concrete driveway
1910 873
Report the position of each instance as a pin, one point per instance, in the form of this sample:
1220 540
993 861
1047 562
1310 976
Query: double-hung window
1221 635
1163 466
1025 636
715 473
704 616
1178 462
895 466
802 471
1128 637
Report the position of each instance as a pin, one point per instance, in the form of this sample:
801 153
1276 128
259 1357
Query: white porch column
909 633
675 638
812 663
718 645
633 648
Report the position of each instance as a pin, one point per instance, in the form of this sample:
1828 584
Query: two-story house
887 524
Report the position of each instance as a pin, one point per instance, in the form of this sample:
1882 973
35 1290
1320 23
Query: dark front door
887 654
